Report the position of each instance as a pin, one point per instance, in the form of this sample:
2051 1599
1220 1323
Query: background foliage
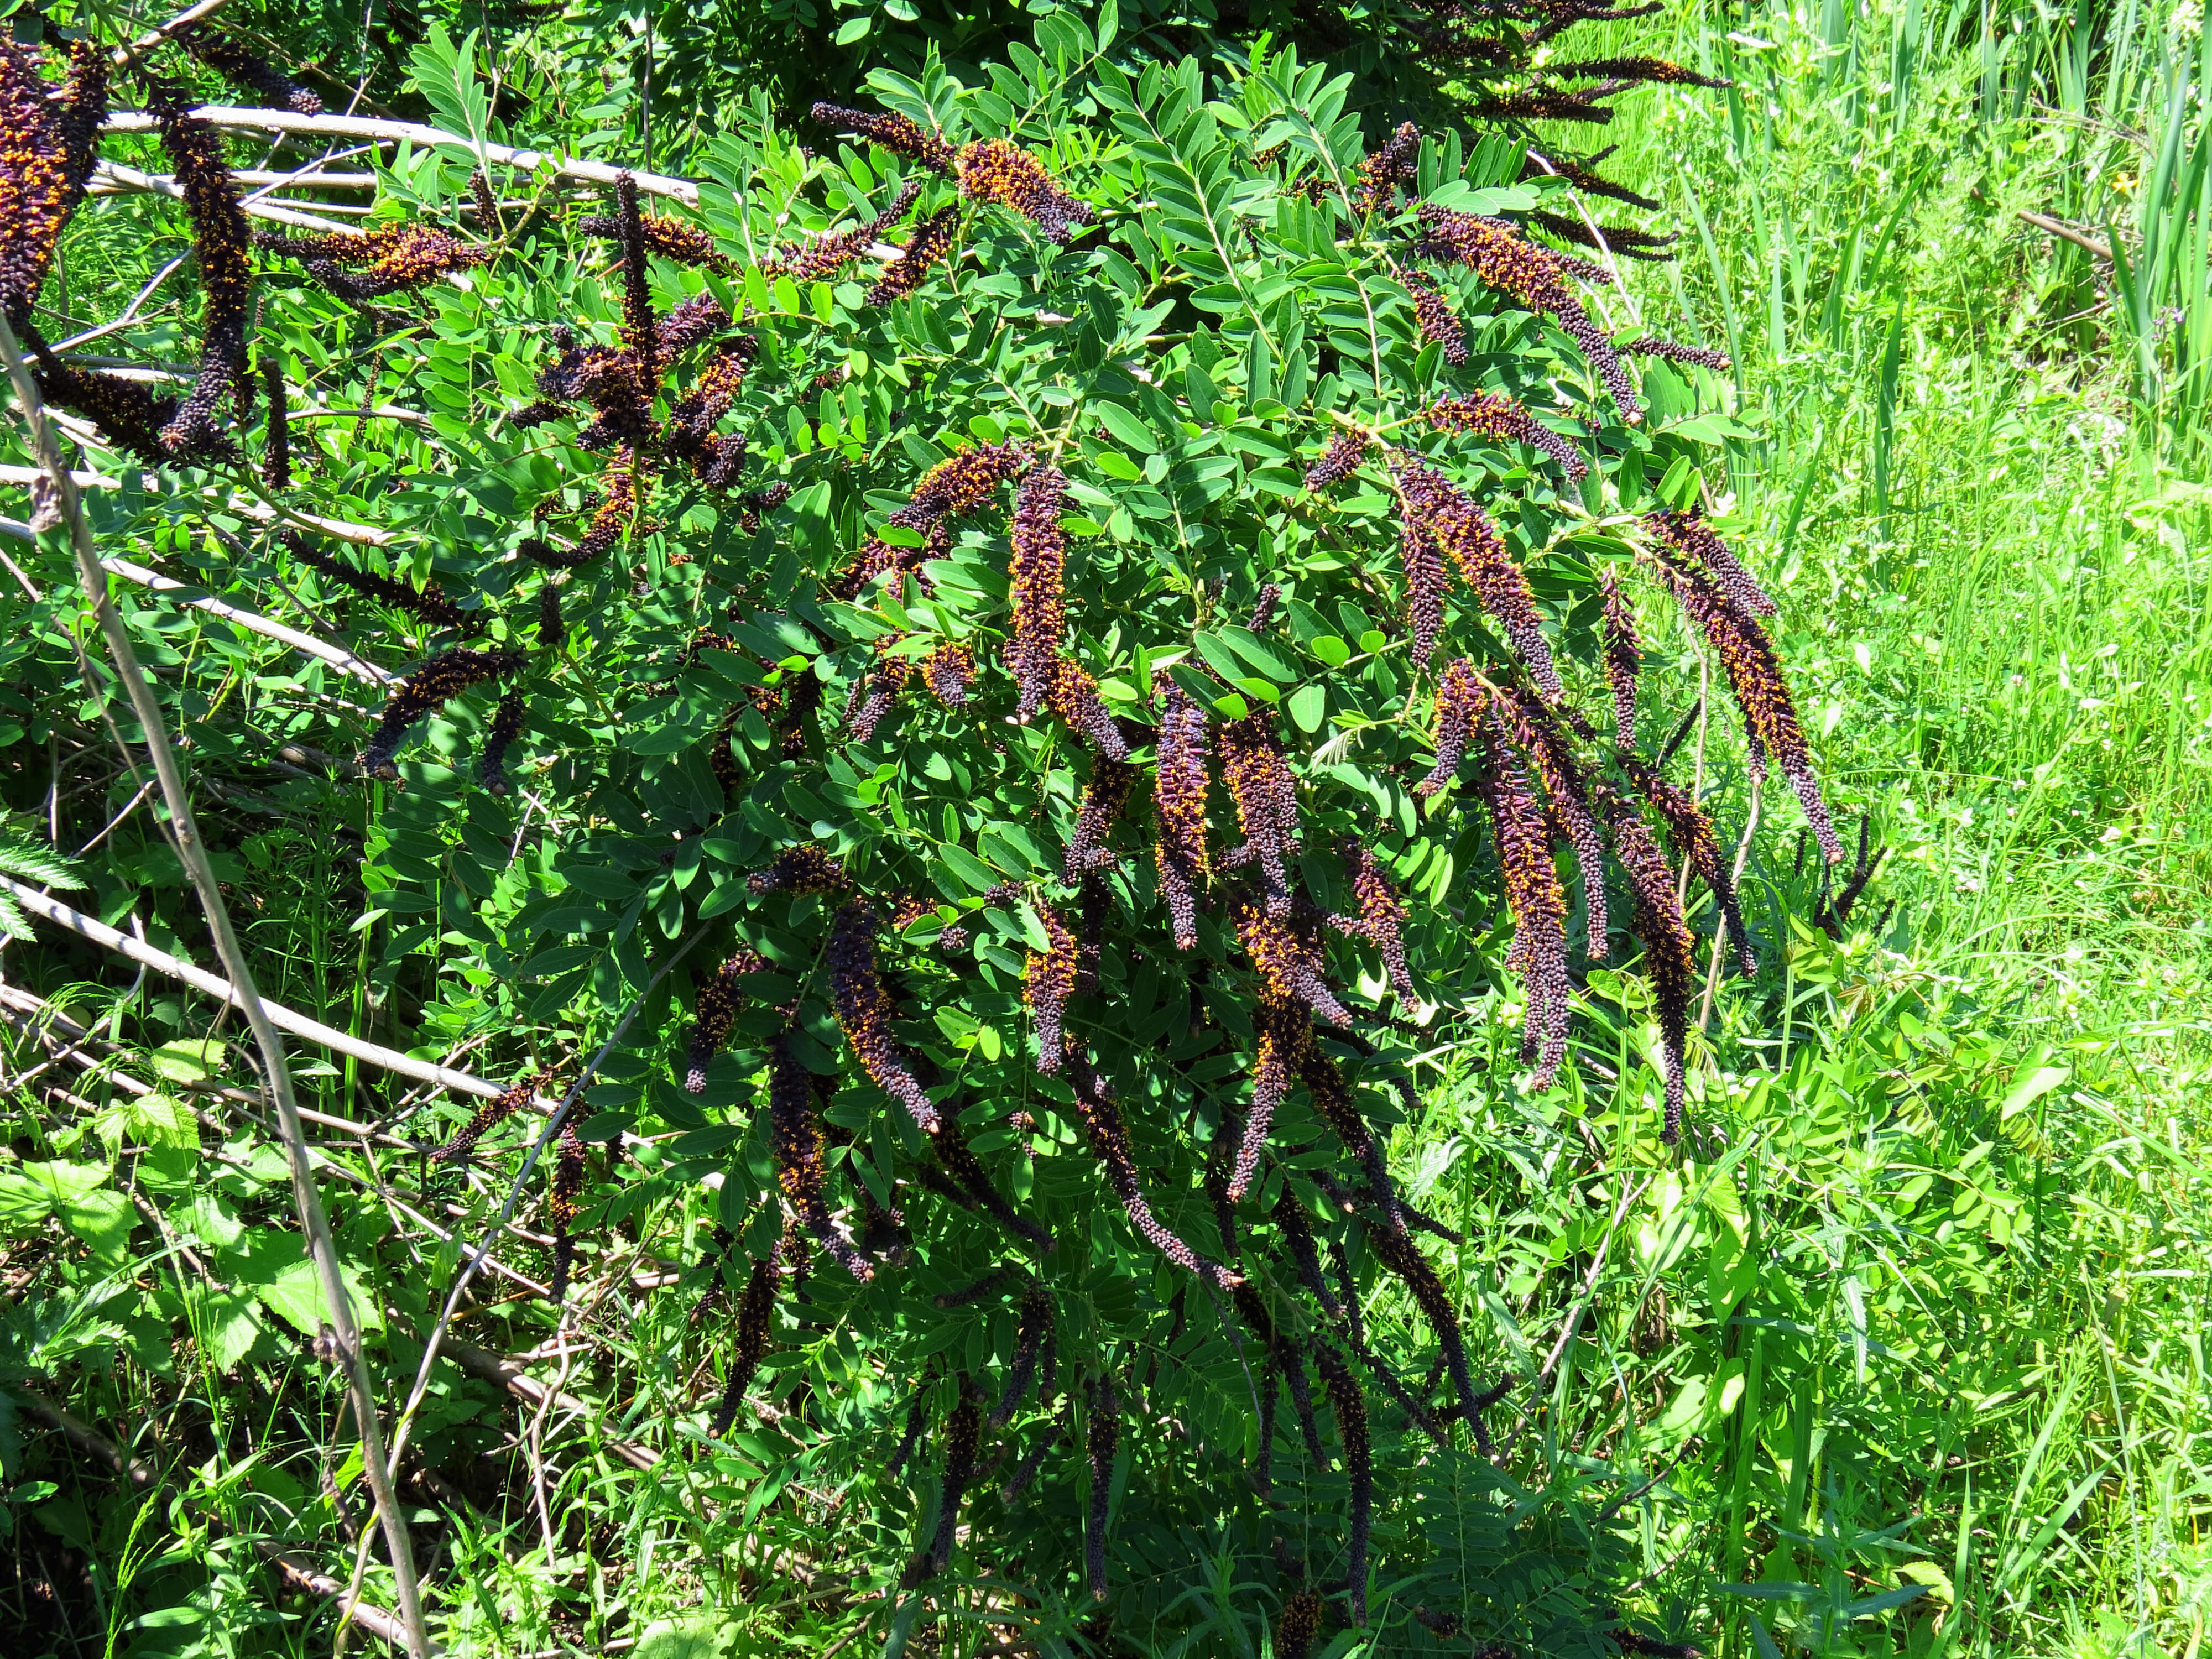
1908 1346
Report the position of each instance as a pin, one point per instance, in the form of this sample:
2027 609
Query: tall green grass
1972 1248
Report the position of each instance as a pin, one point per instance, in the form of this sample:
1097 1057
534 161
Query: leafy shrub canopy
1091 685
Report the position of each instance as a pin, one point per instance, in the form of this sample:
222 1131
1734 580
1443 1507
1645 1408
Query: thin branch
184 833
2066 232
358 126
123 56
327 1036
337 656
113 178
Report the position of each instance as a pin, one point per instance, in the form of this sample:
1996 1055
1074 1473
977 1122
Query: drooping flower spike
1103 797
1499 419
1037 574
756 1325
930 241
564 1202
1754 675
46 162
1267 799
1109 1142
1690 828
1669 951
506 722
220 243
1623 657
1625 240
1656 71
1381 915
863 1010
1349 1403
1508 261
993 170
1566 790
818 257
895 133
797 1139
1337 462
244 69
1047 983
1466 537
489 1114
443 677
1179 789
1532 893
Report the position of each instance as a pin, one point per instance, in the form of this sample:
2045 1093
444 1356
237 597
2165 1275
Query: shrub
1090 688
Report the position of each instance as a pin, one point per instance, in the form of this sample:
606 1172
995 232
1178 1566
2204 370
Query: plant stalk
321 1248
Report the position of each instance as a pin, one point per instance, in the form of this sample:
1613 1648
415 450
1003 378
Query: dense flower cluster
1350 1406
820 257
1458 705
800 869
954 488
1288 959
948 670
1625 70
220 243
1298 1627
1754 674
1100 1444
715 1009
1508 261
1690 829
1626 241
1692 539
1567 790
1031 1339
1500 419
1266 800
1464 532
1697 356
963 1438
993 170
244 69
895 133
443 677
